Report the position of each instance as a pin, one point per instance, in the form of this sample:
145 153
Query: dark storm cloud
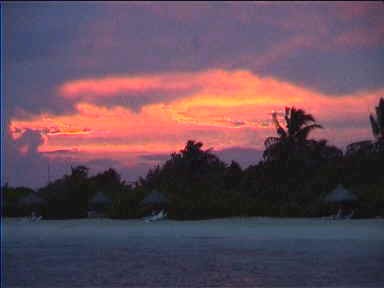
25 166
38 38
334 48
333 73
135 100
346 123
48 44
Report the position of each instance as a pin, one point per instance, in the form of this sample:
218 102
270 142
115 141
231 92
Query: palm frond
280 131
359 147
374 126
303 133
304 118
380 116
296 119
298 125
288 118
274 150
377 123
271 141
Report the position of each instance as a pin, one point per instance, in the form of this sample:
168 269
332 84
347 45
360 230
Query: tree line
291 180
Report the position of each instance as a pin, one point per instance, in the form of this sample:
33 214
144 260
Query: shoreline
254 227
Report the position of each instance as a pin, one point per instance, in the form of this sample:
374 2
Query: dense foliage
291 181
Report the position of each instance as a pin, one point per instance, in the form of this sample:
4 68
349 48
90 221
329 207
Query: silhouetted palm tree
377 123
298 126
366 147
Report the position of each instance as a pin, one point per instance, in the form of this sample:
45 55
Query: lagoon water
237 252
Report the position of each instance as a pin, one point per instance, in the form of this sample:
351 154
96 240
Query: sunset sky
123 85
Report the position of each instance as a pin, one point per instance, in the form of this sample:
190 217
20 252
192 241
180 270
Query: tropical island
293 179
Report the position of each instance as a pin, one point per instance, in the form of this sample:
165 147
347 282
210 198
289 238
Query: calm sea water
190 260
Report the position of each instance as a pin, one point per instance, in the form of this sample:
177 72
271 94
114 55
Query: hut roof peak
340 194
100 198
155 197
32 199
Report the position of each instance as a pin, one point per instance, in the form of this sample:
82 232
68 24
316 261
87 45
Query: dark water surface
69 256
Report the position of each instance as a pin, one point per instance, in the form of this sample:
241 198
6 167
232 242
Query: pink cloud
363 37
231 109
351 11
284 48
111 86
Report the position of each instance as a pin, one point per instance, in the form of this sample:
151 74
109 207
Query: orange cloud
230 108
110 86
46 126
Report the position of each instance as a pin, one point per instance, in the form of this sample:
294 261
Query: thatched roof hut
32 199
340 195
155 198
100 199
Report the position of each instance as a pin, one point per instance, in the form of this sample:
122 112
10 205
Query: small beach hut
99 203
155 201
340 195
32 204
343 198
155 198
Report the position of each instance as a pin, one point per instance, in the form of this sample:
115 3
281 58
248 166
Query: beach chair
338 215
350 215
343 215
156 217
